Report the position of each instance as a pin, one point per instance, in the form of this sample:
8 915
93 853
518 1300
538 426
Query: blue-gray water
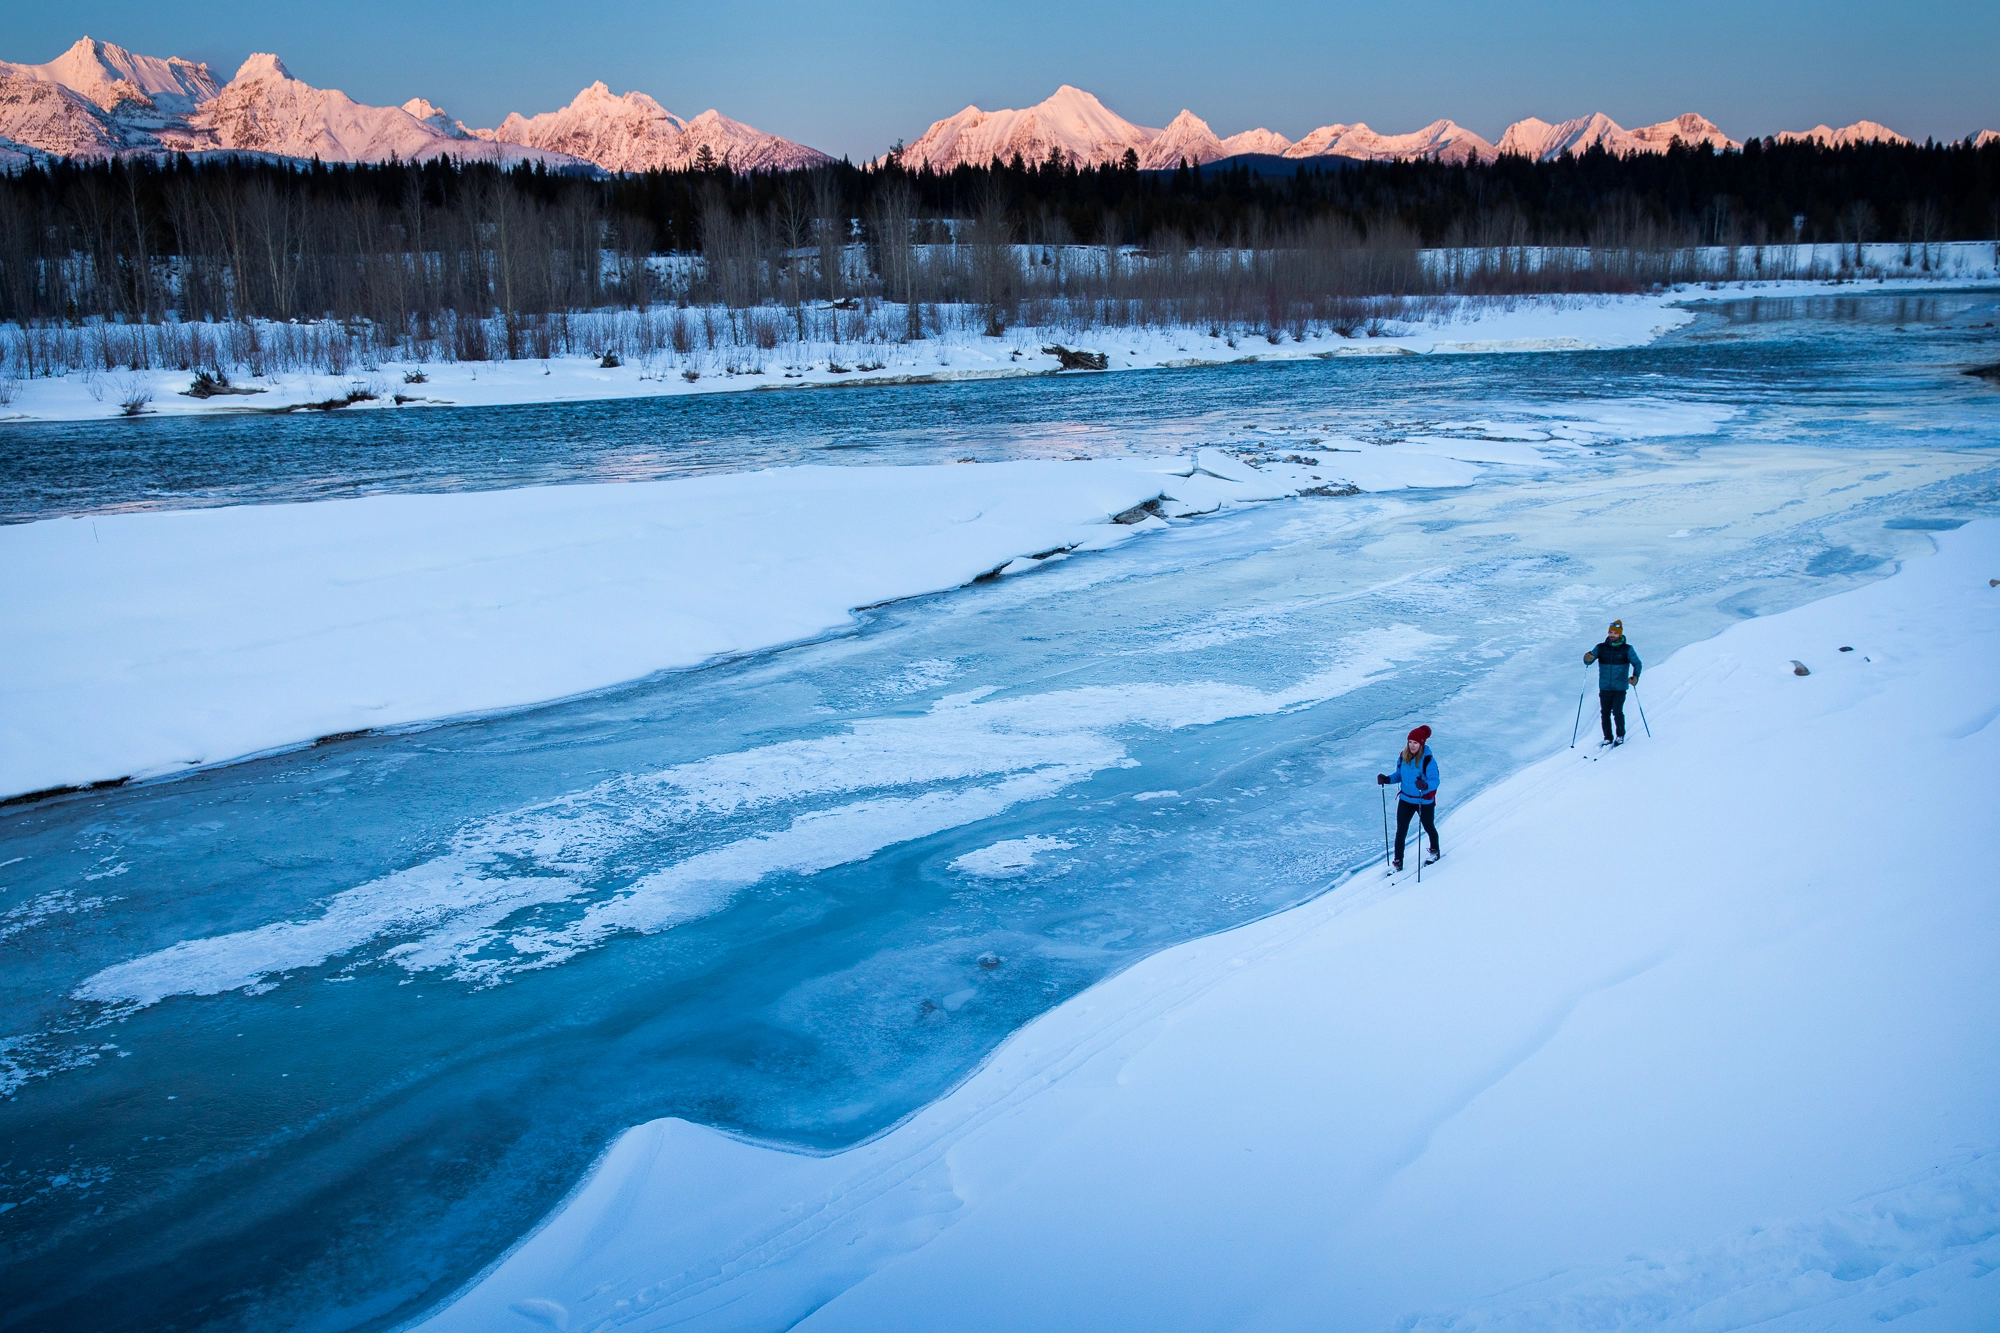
347 1146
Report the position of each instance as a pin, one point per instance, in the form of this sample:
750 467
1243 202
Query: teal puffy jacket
1617 664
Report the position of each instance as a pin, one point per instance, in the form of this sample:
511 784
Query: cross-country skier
1617 669
1417 772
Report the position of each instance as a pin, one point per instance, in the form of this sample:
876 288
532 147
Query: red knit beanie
1420 734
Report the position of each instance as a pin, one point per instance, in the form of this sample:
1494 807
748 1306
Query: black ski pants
1611 705
1404 809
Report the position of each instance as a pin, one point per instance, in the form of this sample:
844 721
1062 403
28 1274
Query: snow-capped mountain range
99 100
1085 131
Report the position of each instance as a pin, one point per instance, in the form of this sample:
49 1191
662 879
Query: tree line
404 246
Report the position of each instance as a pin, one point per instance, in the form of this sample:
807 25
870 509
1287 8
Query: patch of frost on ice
1008 859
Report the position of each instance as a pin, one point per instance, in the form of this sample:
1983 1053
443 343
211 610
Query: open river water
965 811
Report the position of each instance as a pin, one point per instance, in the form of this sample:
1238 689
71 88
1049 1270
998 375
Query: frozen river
801 894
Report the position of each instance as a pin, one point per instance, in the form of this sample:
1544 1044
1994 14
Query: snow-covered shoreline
1473 326
147 644
1682 1038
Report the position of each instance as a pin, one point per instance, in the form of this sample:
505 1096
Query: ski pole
1642 713
1574 726
1383 788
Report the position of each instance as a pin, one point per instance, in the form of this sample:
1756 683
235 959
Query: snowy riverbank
1435 326
153 643
1696 1034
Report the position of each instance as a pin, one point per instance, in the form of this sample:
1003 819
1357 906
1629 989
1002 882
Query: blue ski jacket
1419 777
1614 662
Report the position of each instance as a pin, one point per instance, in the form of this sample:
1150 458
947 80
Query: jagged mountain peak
430 113
1441 140
632 132
108 76
260 67
1861 131
1538 139
1070 121
98 99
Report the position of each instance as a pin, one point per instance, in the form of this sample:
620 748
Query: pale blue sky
854 78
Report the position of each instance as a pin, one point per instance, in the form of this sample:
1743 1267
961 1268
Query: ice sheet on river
532 888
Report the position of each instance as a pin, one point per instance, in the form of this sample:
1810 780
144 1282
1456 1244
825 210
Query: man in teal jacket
1617 669
1417 774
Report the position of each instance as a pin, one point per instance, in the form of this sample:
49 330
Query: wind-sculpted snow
533 888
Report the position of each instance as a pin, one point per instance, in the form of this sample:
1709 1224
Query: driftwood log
1077 360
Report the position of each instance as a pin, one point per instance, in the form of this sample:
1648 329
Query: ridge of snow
1861 131
1984 137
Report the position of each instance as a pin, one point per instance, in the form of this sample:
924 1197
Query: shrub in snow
133 397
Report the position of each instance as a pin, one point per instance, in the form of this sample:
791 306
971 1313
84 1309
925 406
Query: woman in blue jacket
1417 772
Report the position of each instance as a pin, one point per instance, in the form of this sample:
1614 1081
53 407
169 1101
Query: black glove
1383 779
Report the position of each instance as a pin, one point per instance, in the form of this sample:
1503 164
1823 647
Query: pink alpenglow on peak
1187 138
1441 140
1259 140
1071 121
266 110
1085 132
100 100
429 113
1542 142
109 76
1861 131
632 132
